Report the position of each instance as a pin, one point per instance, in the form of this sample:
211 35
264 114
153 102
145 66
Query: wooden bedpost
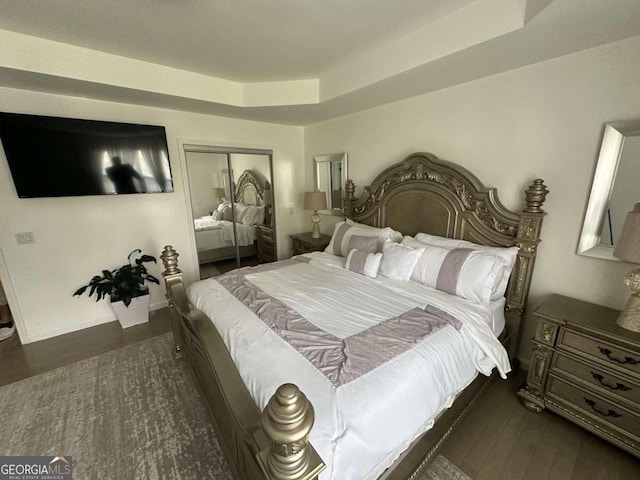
527 240
347 203
286 421
173 278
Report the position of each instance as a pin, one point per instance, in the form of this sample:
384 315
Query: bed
341 370
216 238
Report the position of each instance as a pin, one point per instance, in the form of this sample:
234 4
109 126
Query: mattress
370 408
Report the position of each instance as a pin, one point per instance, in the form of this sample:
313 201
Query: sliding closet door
211 190
232 204
255 225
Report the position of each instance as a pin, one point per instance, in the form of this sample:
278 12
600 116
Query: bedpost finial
169 259
287 420
535 196
349 189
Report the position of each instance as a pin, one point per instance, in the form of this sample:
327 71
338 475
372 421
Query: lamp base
315 219
629 318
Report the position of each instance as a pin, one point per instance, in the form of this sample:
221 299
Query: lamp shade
315 201
218 192
628 246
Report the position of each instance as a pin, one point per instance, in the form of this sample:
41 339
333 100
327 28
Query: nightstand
266 244
304 243
587 369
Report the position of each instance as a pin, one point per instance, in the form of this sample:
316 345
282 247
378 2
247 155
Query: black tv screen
59 157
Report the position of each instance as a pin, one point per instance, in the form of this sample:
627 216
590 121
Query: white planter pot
136 313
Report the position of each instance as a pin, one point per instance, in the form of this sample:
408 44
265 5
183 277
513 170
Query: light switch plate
24 238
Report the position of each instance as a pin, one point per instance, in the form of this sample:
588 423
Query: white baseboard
81 326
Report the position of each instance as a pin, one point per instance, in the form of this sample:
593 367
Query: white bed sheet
357 435
211 234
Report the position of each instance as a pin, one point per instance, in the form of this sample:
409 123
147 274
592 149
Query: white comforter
361 426
211 234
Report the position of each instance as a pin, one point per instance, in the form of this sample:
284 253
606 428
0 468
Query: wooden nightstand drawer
601 378
266 244
595 407
302 247
305 243
617 357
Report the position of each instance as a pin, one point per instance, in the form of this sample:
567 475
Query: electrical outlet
24 238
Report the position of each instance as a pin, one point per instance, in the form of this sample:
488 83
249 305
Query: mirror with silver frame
614 190
331 177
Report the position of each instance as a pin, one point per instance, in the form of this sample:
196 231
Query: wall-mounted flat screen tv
60 157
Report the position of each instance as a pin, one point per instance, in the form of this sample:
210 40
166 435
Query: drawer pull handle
618 386
608 413
607 353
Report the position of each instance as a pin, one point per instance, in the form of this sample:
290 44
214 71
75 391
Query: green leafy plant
123 283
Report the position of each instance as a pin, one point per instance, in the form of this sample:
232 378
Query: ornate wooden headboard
425 194
250 188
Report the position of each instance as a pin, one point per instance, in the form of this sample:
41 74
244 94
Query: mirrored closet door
232 204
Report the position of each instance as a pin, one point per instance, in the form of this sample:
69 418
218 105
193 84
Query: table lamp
218 193
628 248
315 201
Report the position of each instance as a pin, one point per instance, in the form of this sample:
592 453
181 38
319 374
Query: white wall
77 237
543 121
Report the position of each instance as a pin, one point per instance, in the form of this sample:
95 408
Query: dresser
587 369
304 243
266 244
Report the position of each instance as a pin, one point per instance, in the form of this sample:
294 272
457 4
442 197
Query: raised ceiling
288 61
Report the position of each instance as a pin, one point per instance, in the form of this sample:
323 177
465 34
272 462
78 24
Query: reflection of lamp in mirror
218 194
315 201
628 248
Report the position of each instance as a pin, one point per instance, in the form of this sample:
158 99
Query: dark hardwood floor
499 439
21 361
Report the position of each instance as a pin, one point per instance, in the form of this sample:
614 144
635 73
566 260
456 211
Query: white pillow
398 261
240 210
396 236
343 231
223 205
471 274
227 213
249 217
509 254
217 215
363 262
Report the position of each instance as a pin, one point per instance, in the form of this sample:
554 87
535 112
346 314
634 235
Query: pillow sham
360 242
509 255
363 262
240 211
398 261
227 213
249 217
464 272
396 236
343 231
223 205
217 215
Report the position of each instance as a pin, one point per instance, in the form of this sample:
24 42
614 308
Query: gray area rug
129 414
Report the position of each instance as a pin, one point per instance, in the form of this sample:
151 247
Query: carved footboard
272 445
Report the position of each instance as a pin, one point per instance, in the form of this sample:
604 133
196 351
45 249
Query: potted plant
126 288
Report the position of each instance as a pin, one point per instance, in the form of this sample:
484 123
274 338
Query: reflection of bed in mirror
217 234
